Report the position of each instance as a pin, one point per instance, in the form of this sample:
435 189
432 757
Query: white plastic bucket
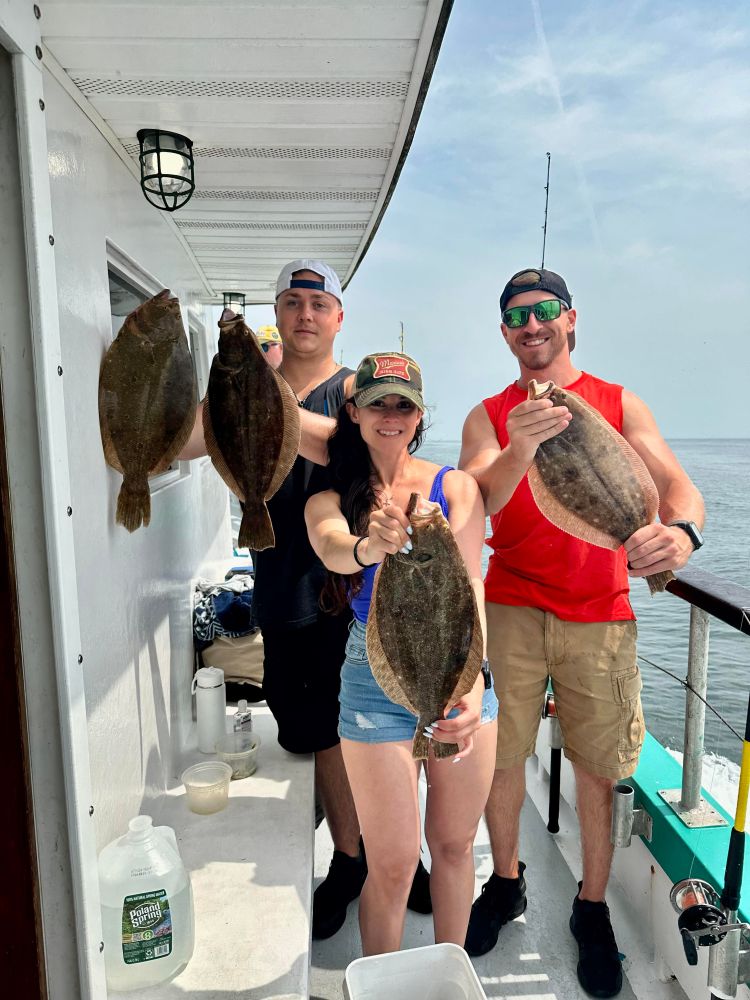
436 972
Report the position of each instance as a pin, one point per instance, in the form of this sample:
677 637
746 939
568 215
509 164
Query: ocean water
721 471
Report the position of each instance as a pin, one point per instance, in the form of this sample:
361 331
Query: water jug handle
168 834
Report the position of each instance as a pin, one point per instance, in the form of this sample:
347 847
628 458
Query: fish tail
658 581
256 529
445 750
420 748
133 503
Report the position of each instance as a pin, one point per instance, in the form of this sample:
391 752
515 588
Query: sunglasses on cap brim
518 316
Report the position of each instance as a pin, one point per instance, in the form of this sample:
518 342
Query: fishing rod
401 338
546 206
709 920
555 741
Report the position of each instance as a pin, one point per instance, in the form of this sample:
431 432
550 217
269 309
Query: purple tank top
361 603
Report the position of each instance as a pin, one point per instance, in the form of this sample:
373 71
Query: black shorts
301 680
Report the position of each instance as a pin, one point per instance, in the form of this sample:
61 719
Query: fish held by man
147 400
424 637
589 482
251 426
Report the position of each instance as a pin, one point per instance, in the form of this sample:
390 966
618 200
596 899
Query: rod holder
627 821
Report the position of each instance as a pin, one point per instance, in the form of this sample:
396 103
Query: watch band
691 530
486 673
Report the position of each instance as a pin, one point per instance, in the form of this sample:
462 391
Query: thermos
210 706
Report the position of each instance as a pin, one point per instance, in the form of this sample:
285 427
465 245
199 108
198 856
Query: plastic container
210 706
242 720
436 972
147 907
207 786
240 751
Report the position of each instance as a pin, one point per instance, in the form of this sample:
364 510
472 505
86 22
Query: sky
645 110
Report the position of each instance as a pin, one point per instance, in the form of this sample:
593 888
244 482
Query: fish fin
291 436
256 528
473 663
214 452
639 467
382 670
657 582
182 437
133 504
565 519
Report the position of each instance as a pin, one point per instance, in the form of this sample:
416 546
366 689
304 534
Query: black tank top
289 577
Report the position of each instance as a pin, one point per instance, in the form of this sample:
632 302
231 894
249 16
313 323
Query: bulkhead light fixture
235 301
167 174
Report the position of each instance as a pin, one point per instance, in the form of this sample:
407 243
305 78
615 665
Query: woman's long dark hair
351 474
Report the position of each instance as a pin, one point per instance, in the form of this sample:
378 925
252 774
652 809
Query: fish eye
423 557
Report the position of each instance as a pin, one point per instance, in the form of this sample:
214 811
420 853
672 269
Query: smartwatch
691 530
486 674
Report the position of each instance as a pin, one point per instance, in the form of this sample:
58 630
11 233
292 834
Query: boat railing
709 596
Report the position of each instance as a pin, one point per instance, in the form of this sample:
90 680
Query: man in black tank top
303 646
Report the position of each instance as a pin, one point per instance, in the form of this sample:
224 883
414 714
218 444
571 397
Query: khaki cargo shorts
595 678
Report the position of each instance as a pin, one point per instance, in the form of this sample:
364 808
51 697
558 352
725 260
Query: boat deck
536 955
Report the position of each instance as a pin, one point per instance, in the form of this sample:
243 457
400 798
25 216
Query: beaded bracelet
357 560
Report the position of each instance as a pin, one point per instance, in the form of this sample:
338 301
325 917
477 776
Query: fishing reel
701 922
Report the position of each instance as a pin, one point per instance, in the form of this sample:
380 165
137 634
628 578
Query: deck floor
536 955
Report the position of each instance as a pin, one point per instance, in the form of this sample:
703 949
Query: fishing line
690 688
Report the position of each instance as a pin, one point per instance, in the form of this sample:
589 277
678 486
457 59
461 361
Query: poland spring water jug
147 907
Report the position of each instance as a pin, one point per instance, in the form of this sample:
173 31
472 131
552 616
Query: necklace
312 388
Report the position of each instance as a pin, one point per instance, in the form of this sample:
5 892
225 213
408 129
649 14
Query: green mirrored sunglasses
518 316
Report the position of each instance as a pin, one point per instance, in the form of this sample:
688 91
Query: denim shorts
367 714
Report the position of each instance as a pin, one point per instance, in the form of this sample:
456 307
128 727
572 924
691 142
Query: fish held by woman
589 482
424 637
251 426
147 401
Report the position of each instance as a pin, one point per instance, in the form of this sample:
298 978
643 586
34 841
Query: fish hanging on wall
424 637
251 425
147 401
589 482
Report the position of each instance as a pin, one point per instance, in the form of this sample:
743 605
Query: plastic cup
240 751
207 786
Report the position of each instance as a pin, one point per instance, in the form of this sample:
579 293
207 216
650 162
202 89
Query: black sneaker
342 884
599 960
419 895
502 899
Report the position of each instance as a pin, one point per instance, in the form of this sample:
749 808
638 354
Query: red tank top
533 563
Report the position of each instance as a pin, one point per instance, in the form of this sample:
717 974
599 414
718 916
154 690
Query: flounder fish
147 401
424 637
251 427
589 482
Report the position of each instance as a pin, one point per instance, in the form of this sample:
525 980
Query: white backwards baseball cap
329 279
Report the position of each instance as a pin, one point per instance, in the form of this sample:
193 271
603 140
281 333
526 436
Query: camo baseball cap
533 278
268 335
380 375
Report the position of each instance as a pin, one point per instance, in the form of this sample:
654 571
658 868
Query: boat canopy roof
301 115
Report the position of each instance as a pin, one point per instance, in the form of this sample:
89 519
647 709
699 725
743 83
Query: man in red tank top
558 608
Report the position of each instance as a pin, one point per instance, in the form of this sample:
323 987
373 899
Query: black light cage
235 301
152 142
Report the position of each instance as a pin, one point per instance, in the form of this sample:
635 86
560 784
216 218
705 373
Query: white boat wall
301 117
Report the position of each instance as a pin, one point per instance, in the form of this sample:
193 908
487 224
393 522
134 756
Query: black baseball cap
531 279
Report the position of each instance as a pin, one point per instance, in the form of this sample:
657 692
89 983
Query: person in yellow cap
269 339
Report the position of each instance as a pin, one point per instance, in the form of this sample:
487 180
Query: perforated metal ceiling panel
301 113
